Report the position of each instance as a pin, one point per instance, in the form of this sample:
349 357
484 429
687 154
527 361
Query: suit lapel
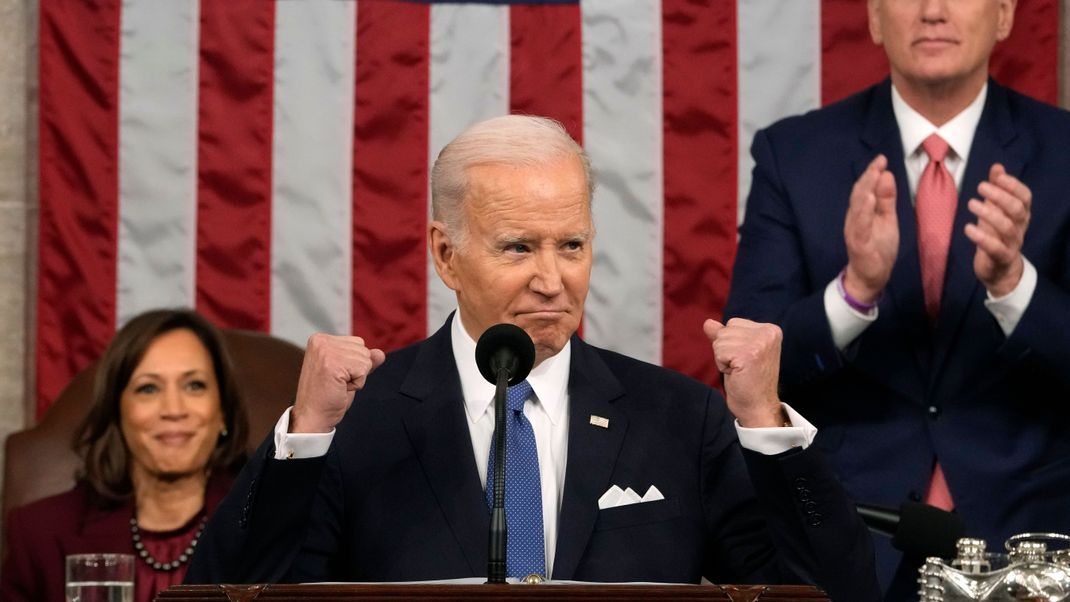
439 434
103 531
592 453
996 141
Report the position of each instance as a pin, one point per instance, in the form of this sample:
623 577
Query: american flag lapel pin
600 421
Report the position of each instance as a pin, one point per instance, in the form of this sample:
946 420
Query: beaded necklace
183 558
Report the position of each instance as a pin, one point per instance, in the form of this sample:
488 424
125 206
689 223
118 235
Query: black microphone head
926 530
508 344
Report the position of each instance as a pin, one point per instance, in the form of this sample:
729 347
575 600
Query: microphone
916 529
505 356
505 347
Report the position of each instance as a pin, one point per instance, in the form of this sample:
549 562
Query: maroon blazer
41 534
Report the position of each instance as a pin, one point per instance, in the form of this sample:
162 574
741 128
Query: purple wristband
855 304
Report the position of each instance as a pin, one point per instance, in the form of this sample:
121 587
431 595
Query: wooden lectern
588 592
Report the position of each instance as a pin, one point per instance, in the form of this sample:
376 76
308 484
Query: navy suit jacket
398 496
993 409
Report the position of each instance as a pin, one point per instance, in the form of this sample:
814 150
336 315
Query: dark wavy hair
99 439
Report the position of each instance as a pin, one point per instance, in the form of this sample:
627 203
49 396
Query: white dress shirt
548 414
848 323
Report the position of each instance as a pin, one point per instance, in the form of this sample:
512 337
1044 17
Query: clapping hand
871 232
1002 219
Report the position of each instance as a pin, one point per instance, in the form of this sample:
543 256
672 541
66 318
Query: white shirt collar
549 379
958 133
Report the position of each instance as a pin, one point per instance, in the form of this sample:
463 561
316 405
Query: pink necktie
935 211
939 495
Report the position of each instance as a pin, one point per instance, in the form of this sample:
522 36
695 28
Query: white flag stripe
158 66
312 164
469 82
779 69
623 135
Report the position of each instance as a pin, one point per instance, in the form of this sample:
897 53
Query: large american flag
267 161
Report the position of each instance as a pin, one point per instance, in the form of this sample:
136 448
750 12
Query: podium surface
546 591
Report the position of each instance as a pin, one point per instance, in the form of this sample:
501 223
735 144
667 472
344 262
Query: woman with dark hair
163 439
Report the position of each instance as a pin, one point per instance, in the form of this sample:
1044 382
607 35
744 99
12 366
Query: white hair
521 140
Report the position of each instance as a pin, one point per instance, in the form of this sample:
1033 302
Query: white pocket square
615 496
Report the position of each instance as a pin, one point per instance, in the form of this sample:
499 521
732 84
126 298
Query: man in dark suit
929 340
390 486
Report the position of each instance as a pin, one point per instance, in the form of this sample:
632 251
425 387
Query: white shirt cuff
778 439
1009 308
845 321
296 446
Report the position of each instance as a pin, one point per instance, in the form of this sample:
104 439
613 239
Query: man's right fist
334 369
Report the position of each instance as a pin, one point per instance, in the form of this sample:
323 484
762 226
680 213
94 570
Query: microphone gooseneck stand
505 355
496 570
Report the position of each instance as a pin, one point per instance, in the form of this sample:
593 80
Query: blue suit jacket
398 496
993 409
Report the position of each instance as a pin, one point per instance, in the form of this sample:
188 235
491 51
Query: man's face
939 42
527 259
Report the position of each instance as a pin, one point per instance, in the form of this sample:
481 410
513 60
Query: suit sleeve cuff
845 322
771 441
297 446
1009 308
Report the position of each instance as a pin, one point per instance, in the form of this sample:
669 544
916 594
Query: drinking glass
100 578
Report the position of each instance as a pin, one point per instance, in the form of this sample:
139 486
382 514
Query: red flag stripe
1028 60
850 61
79 73
700 159
234 163
538 33
390 174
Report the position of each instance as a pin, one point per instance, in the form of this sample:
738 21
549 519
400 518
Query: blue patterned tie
523 489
